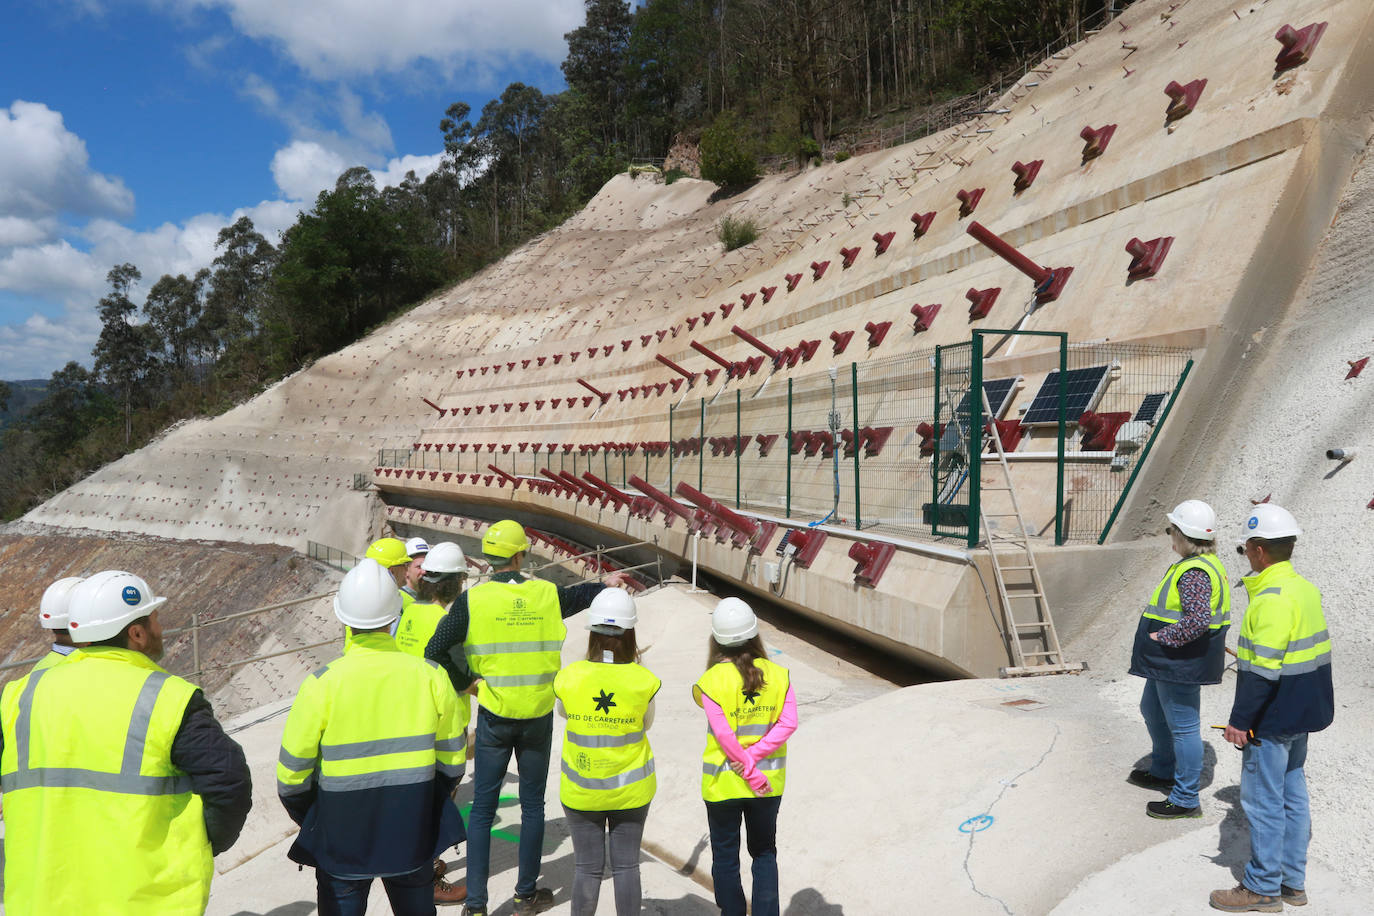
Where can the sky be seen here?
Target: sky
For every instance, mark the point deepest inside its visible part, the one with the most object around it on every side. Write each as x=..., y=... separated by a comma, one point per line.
x=134, y=130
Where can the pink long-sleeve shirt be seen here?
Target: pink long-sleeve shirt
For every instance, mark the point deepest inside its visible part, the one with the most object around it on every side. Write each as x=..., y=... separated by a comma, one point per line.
x=748, y=757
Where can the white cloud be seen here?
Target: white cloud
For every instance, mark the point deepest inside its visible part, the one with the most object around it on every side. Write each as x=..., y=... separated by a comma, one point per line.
x=395, y=171
x=331, y=38
x=45, y=169
x=55, y=269
x=304, y=168
x=39, y=346
x=19, y=230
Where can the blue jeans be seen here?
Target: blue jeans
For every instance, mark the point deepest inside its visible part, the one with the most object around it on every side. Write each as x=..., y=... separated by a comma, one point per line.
x=761, y=831
x=1273, y=794
x=409, y=895
x=497, y=738
x=1173, y=717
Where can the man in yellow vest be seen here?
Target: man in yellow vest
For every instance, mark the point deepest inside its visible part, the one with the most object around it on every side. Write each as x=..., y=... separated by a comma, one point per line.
x=119, y=784
x=373, y=748
x=52, y=615
x=508, y=634
x=417, y=549
x=1283, y=693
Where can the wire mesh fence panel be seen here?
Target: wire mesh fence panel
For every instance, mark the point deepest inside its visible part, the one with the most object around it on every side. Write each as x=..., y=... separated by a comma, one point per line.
x=686, y=460
x=956, y=441
x=763, y=461
x=896, y=395
x=1137, y=381
x=718, y=469
x=330, y=556
x=821, y=407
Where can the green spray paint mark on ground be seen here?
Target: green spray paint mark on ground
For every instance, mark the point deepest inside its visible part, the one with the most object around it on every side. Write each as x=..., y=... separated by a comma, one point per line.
x=496, y=832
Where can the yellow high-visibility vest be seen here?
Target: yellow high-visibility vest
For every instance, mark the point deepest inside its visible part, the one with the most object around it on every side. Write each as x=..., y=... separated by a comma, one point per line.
x=1166, y=605
x=358, y=718
x=97, y=819
x=54, y=657
x=416, y=626
x=750, y=714
x=1284, y=630
x=607, y=762
x=515, y=637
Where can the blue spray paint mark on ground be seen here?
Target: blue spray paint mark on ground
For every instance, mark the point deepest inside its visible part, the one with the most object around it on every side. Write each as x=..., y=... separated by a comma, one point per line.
x=977, y=823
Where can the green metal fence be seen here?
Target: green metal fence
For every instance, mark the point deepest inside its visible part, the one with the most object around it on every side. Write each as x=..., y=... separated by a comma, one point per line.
x=856, y=444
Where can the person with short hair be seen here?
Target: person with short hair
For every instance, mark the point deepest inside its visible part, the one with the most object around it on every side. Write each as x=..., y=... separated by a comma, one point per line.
x=119, y=784
x=503, y=639
x=416, y=549
x=1180, y=645
x=1284, y=693
x=52, y=615
x=373, y=747
x=607, y=776
x=751, y=711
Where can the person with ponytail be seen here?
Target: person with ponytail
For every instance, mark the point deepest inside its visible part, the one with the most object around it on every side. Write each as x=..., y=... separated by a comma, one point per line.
x=751, y=711
x=607, y=776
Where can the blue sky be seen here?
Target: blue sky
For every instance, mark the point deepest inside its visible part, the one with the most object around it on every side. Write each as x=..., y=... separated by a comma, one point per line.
x=133, y=130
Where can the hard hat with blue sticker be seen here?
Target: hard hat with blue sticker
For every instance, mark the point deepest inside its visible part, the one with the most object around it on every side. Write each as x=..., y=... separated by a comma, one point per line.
x=131, y=595
x=1253, y=522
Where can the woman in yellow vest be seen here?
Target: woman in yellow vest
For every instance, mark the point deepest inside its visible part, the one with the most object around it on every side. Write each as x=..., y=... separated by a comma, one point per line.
x=608, y=766
x=751, y=711
x=445, y=570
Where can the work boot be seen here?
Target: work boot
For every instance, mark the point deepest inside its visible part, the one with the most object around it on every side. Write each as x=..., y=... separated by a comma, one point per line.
x=538, y=902
x=1147, y=780
x=480, y=910
x=445, y=893
x=1240, y=899
x=1168, y=811
x=440, y=868
x=1293, y=896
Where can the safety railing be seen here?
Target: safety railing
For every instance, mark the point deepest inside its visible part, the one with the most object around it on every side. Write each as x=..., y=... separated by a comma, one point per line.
x=330, y=556
x=858, y=446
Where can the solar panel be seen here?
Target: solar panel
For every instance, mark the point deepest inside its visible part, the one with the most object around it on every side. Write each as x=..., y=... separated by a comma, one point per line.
x=1149, y=407
x=999, y=392
x=1084, y=387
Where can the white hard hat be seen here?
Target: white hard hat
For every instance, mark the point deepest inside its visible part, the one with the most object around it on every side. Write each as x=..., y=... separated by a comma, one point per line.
x=733, y=623
x=416, y=546
x=1196, y=519
x=52, y=609
x=444, y=558
x=368, y=597
x=102, y=605
x=1269, y=521
x=612, y=610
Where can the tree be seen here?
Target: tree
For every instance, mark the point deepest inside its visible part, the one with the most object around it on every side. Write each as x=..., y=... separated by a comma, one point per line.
x=238, y=303
x=173, y=308
x=726, y=154
x=125, y=353
x=72, y=405
x=596, y=62
x=4, y=396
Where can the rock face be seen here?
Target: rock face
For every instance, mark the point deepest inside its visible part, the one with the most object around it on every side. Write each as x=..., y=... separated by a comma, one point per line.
x=684, y=155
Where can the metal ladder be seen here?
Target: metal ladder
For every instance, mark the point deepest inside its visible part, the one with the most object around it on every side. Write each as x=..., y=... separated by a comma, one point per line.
x=1025, y=609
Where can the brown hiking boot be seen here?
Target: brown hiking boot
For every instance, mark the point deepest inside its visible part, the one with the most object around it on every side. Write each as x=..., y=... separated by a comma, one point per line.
x=1293, y=896
x=445, y=893
x=1240, y=899
x=440, y=868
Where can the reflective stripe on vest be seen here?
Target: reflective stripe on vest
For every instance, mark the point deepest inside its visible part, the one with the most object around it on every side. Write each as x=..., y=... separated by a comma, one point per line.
x=1166, y=604
x=515, y=636
x=751, y=716
x=1290, y=605
x=607, y=763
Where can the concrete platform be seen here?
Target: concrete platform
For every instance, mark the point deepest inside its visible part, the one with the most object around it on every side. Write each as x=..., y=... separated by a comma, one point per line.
x=968, y=797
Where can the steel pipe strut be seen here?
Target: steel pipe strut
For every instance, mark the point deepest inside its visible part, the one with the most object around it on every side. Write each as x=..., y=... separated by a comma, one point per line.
x=689, y=376
x=1007, y=253
x=671, y=508
x=707, y=352
x=744, y=335
x=594, y=390
x=738, y=523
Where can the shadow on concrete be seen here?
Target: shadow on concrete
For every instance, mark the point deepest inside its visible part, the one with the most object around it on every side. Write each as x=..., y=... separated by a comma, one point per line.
x=1233, y=841
x=299, y=908
x=1209, y=765
x=811, y=902
x=683, y=906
